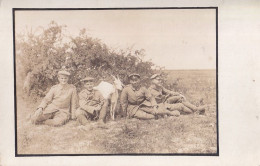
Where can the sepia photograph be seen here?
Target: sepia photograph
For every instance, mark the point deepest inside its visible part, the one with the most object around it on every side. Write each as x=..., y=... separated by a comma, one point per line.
x=116, y=81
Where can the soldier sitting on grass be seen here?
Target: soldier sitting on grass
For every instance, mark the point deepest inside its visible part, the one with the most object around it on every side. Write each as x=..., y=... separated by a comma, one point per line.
x=92, y=104
x=137, y=101
x=59, y=105
x=170, y=100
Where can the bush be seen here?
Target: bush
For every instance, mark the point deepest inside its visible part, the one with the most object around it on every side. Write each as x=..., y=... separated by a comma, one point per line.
x=44, y=53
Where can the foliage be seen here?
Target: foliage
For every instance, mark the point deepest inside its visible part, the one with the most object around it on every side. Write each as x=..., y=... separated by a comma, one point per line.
x=44, y=53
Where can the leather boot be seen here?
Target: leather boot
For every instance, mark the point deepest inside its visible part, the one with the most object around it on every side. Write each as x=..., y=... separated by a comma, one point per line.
x=201, y=110
x=187, y=110
x=190, y=106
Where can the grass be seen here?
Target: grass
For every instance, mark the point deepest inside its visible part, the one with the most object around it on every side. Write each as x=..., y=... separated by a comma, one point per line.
x=184, y=134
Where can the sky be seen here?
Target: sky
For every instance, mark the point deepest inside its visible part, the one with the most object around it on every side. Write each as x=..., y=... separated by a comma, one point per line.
x=171, y=38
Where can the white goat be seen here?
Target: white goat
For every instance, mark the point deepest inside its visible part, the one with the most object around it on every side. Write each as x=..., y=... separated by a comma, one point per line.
x=110, y=92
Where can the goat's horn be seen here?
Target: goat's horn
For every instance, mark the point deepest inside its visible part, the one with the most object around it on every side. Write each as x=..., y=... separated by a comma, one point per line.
x=113, y=76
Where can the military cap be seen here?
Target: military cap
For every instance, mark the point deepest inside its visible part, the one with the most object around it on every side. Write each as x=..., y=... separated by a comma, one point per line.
x=134, y=75
x=88, y=79
x=155, y=76
x=63, y=72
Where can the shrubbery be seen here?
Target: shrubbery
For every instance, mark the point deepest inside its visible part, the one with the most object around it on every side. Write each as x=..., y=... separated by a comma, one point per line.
x=44, y=53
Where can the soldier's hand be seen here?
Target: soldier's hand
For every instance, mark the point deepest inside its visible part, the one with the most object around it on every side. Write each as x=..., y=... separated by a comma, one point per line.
x=167, y=106
x=124, y=113
x=155, y=109
x=184, y=98
x=36, y=114
x=38, y=111
x=98, y=108
x=73, y=117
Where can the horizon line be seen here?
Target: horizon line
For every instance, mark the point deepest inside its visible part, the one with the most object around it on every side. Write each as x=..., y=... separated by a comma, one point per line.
x=190, y=69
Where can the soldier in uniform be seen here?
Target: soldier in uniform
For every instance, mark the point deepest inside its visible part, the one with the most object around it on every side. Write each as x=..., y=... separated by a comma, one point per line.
x=170, y=100
x=59, y=105
x=92, y=105
x=137, y=101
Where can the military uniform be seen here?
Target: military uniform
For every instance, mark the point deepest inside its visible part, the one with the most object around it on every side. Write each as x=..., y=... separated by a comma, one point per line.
x=88, y=101
x=59, y=105
x=163, y=99
x=171, y=100
x=137, y=103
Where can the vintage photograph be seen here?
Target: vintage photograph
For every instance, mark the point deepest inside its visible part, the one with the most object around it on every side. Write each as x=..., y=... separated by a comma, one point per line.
x=116, y=81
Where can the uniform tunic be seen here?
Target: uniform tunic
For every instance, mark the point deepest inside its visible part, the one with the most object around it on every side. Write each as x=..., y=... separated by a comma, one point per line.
x=161, y=94
x=89, y=100
x=167, y=99
x=132, y=99
x=60, y=98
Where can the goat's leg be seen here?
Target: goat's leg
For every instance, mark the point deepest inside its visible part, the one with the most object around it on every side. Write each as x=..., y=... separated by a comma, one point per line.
x=113, y=105
x=111, y=111
x=114, y=109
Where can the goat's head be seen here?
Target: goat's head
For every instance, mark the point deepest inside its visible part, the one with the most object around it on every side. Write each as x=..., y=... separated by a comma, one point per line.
x=118, y=84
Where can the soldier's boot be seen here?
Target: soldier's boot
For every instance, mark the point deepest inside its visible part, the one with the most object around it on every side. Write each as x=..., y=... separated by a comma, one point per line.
x=201, y=110
x=194, y=108
x=82, y=119
x=186, y=110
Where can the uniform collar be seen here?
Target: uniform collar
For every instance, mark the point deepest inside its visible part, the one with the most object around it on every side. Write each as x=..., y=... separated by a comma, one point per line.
x=63, y=86
x=89, y=92
x=131, y=86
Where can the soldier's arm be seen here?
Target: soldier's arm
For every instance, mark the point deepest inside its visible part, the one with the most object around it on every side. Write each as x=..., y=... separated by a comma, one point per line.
x=101, y=98
x=83, y=103
x=124, y=100
x=149, y=97
x=74, y=103
x=47, y=99
x=169, y=92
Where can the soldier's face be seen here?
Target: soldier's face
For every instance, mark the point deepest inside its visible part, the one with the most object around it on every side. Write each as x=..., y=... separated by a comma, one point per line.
x=89, y=86
x=63, y=79
x=157, y=82
x=135, y=82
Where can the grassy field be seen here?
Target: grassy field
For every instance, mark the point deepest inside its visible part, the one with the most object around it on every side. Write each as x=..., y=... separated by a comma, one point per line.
x=184, y=134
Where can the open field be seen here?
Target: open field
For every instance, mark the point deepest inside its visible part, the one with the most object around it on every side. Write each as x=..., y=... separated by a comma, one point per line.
x=184, y=134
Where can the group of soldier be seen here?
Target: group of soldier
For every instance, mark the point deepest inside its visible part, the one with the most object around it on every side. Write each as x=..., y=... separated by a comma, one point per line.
x=62, y=102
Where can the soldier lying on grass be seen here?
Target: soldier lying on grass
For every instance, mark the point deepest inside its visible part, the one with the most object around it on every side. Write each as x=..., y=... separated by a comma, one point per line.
x=59, y=105
x=170, y=100
x=92, y=105
x=138, y=103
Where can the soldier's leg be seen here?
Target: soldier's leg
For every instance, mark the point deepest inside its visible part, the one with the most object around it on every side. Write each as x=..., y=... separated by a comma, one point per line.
x=175, y=113
x=148, y=110
x=190, y=106
x=103, y=112
x=81, y=116
x=174, y=99
x=59, y=119
x=179, y=107
x=41, y=118
x=162, y=110
x=194, y=108
x=187, y=104
x=140, y=114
